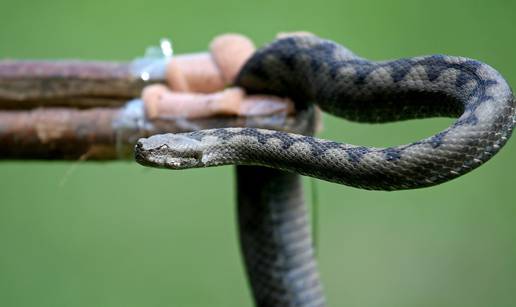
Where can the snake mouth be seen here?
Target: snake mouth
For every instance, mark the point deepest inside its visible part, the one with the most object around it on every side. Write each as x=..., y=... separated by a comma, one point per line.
x=179, y=154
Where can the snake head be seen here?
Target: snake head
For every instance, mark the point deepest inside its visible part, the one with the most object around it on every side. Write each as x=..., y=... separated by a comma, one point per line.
x=175, y=151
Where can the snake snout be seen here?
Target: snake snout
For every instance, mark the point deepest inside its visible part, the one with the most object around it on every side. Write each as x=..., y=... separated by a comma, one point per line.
x=141, y=155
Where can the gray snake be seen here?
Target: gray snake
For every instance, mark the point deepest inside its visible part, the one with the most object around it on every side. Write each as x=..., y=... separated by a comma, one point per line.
x=311, y=70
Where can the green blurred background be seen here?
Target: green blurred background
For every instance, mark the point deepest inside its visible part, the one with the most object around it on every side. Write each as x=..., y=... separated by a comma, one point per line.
x=116, y=234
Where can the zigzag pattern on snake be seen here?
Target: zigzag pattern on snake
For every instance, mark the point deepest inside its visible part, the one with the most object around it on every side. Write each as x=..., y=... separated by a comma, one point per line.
x=312, y=70
x=274, y=233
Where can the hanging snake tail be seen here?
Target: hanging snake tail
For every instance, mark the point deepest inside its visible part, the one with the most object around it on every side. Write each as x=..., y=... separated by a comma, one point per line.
x=275, y=238
x=311, y=70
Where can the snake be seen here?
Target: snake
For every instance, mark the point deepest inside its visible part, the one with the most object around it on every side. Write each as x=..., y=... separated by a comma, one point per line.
x=315, y=72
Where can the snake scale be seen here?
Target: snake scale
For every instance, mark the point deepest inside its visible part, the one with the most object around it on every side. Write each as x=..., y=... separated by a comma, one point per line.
x=276, y=242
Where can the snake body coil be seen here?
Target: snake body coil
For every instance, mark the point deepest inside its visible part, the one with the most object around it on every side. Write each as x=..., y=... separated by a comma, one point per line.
x=312, y=70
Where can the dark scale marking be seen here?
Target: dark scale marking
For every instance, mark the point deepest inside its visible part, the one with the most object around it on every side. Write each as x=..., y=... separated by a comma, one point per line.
x=262, y=138
x=286, y=44
x=224, y=134
x=400, y=69
x=488, y=83
x=462, y=79
x=437, y=140
x=471, y=65
x=315, y=64
x=483, y=96
x=392, y=154
x=479, y=94
x=472, y=119
x=325, y=50
x=286, y=140
x=472, y=94
x=318, y=149
x=363, y=71
x=289, y=61
x=356, y=153
x=434, y=71
x=335, y=69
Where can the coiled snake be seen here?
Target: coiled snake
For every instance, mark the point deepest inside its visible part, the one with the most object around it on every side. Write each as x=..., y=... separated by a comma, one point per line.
x=273, y=229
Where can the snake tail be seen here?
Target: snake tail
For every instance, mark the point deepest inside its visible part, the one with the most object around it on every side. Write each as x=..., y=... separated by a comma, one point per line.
x=275, y=238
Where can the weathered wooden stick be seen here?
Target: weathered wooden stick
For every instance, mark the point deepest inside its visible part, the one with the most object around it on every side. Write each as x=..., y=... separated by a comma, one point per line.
x=85, y=109
x=86, y=84
x=110, y=133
